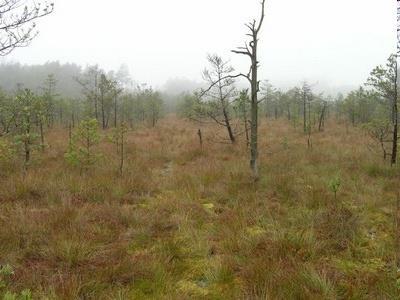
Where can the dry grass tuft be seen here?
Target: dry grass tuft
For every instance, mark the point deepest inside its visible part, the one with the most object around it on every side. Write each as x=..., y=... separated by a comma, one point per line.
x=189, y=223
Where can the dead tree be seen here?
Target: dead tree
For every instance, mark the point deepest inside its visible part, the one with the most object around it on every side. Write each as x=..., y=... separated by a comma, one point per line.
x=17, y=27
x=250, y=50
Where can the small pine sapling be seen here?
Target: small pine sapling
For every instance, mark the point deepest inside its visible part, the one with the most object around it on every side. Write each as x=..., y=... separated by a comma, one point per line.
x=334, y=185
x=118, y=138
x=81, y=150
x=26, y=136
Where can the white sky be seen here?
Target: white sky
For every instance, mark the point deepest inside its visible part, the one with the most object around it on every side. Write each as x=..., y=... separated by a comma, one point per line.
x=332, y=42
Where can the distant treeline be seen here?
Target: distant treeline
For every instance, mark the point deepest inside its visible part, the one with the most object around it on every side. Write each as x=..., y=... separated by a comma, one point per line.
x=16, y=75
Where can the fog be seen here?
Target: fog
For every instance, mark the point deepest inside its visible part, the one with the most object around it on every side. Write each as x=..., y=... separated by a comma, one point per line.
x=332, y=44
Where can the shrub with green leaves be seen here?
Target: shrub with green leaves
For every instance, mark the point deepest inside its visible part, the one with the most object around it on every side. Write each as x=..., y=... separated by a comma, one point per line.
x=81, y=150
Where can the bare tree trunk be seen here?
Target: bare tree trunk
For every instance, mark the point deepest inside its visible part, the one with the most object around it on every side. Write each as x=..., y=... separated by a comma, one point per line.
x=115, y=111
x=121, y=166
x=246, y=125
x=228, y=126
x=41, y=135
x=250, y=50
x=200, y=138
x=255, y=87
x=96, y=113
x=224, y=112
x=395, y=121
x=73, y=120
x=254, y=112
x=27, y=154
x=70, y=135
x=321, y=118
x=397, y=233
x=305, y=112
x=103, y=116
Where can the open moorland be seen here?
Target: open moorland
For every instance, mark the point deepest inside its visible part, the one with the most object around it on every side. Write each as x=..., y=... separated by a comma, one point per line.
x=188, y=222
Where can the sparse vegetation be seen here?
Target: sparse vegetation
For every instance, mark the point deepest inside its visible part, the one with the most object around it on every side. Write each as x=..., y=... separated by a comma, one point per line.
x=118, y=190
x=183, y=223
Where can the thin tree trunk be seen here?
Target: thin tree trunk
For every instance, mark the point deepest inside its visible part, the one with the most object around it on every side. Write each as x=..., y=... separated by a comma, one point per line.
x=96, y=113
x=115, y=111
x=121, y=166
x=200, y=138
x=103, y=116
x=395, y=122
x=41, y=135
x=254, y=111
x=397, y=233
x=224, y=112
x=228, y=126
x=253, y=79
x=304, y=113
x=321, y=119
x=246, y=125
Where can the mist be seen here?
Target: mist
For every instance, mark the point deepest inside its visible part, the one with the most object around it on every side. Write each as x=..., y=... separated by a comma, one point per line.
x=333, y=45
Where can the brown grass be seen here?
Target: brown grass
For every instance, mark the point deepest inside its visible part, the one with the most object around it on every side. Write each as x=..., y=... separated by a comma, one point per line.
x=189, y=223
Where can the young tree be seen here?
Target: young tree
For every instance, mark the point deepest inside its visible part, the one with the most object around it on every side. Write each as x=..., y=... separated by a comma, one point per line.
x=269, y=96
x=383, y=79
x=27, y=103
x=116, y=90
x=186, y=106
x=323, y=107
x=40, y=110
x=8, y=113
x=81, y=149
x=153, y=106
x=17, y=27
x=147, y=105
x=118, y=137
x=105, y=88
x=89, y=82
x=220, y=96
x=49, y=97
x=380, y=131
x=242, y=107
x=305, y=96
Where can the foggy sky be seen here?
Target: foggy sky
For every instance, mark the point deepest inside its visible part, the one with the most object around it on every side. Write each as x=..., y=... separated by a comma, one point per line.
x=333, y=43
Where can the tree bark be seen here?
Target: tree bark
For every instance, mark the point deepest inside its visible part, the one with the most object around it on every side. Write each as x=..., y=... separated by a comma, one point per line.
x=395, y=120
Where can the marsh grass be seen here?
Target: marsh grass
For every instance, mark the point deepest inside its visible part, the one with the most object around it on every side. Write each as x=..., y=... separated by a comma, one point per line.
x=189, y=223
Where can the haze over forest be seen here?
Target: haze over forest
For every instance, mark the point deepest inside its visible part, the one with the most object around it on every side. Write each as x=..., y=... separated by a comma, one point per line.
x=331, y=44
